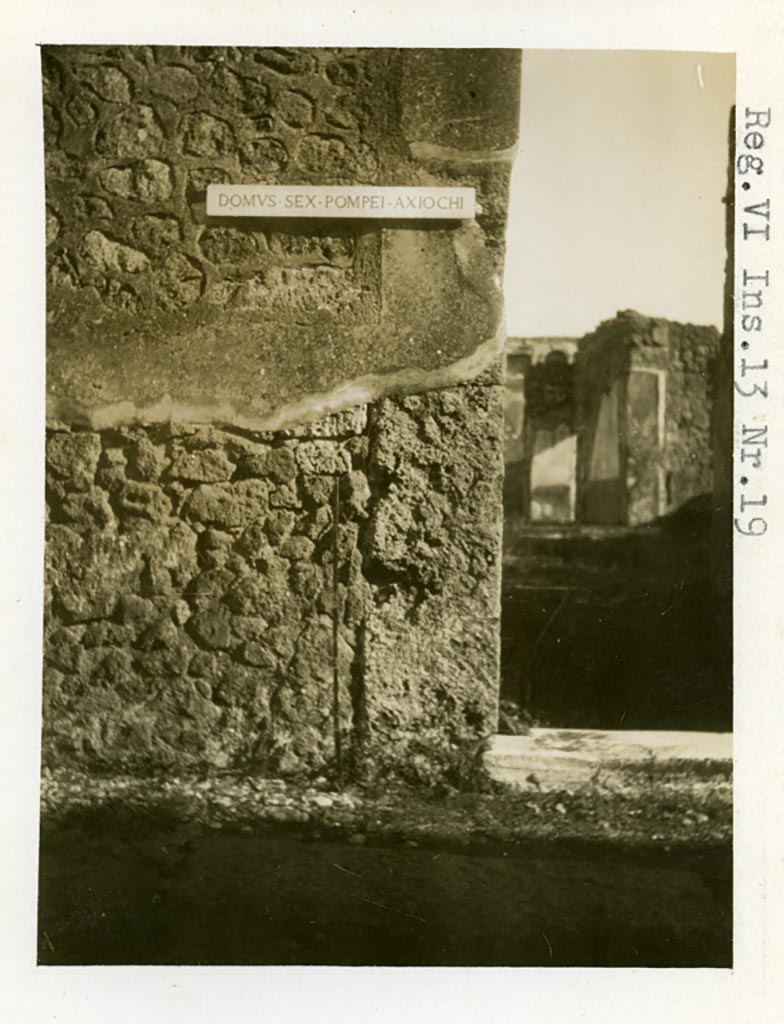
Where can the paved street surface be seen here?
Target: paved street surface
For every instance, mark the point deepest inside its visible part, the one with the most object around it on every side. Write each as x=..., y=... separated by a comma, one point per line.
x=275, y=895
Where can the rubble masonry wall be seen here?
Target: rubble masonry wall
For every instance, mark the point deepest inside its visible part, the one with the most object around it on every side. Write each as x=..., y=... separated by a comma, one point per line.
x=212, y=384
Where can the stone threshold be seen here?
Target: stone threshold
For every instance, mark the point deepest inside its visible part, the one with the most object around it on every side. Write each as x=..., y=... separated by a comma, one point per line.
x=561, y=758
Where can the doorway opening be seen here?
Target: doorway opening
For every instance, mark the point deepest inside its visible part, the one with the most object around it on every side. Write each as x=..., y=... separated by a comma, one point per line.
x=616, y=610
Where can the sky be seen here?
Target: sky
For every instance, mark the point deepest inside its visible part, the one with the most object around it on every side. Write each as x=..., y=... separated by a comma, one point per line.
x=616, y=192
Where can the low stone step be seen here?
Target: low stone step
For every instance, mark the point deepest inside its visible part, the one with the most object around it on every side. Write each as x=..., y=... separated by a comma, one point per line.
x=560, y=758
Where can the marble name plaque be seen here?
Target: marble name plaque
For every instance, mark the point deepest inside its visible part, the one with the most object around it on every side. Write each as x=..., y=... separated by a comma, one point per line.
x=327, y=201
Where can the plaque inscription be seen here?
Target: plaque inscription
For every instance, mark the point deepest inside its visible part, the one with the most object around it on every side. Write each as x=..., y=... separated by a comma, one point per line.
x=328, y=201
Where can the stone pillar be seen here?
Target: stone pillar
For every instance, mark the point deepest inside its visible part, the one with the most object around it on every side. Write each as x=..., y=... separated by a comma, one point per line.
x=517, y=360
x=644, y=391
x=431, y=637
x=211, y=383
x=550, y=438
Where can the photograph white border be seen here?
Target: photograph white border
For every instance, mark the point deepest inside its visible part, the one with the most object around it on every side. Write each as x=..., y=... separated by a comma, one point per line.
x=754, y=989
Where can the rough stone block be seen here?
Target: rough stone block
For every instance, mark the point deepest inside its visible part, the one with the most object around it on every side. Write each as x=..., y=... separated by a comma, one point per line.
x=250, y=627
x=177, y=84
x=318, y=489
x=285, y=496
x=145, y=500
x=104, y=254
x=148, y=181
x=133, y=133
x=228, y=506
x=212, y=628
x=205, y=135
x=260, y=656
x=74, y=457
x=281, y=465
x=137, y=613
x=145, y=460
x=111, y=468
x=180, y=612
x=87, y=511
x=86, y=598
x=63, y=650
x=109, y=82
x=209, y=586
x=355, y=494
x=322, y=457
x=202, y=665
x=207, y=466
x=305, y=580
x=258, y=595
x=280, y=522
x=297, y=548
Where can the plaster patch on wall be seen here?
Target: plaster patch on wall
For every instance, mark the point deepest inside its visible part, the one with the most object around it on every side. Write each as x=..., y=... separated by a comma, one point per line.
x=302, y=412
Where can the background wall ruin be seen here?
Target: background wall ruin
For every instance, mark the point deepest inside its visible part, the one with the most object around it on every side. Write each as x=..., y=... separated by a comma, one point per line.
x=539, y=429
x=211, y=385
x=622, y=618
x=644, y=392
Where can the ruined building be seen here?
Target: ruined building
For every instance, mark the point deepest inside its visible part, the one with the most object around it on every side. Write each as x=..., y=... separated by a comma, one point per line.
x=612, y=590
x=275, y=448
x=644, y=393
x=613, y=428
x=540, y=429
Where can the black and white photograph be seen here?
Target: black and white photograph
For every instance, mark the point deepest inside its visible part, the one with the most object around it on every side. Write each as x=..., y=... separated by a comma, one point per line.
x=388, y=584
x=402, y=463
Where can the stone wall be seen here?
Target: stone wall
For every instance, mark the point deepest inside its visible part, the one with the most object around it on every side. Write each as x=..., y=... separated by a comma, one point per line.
x=549, y=438
x=538, y=400
x=190, y=595
x=433, y=558
x=644, y=392
x=157, y=311
x=232, y=402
